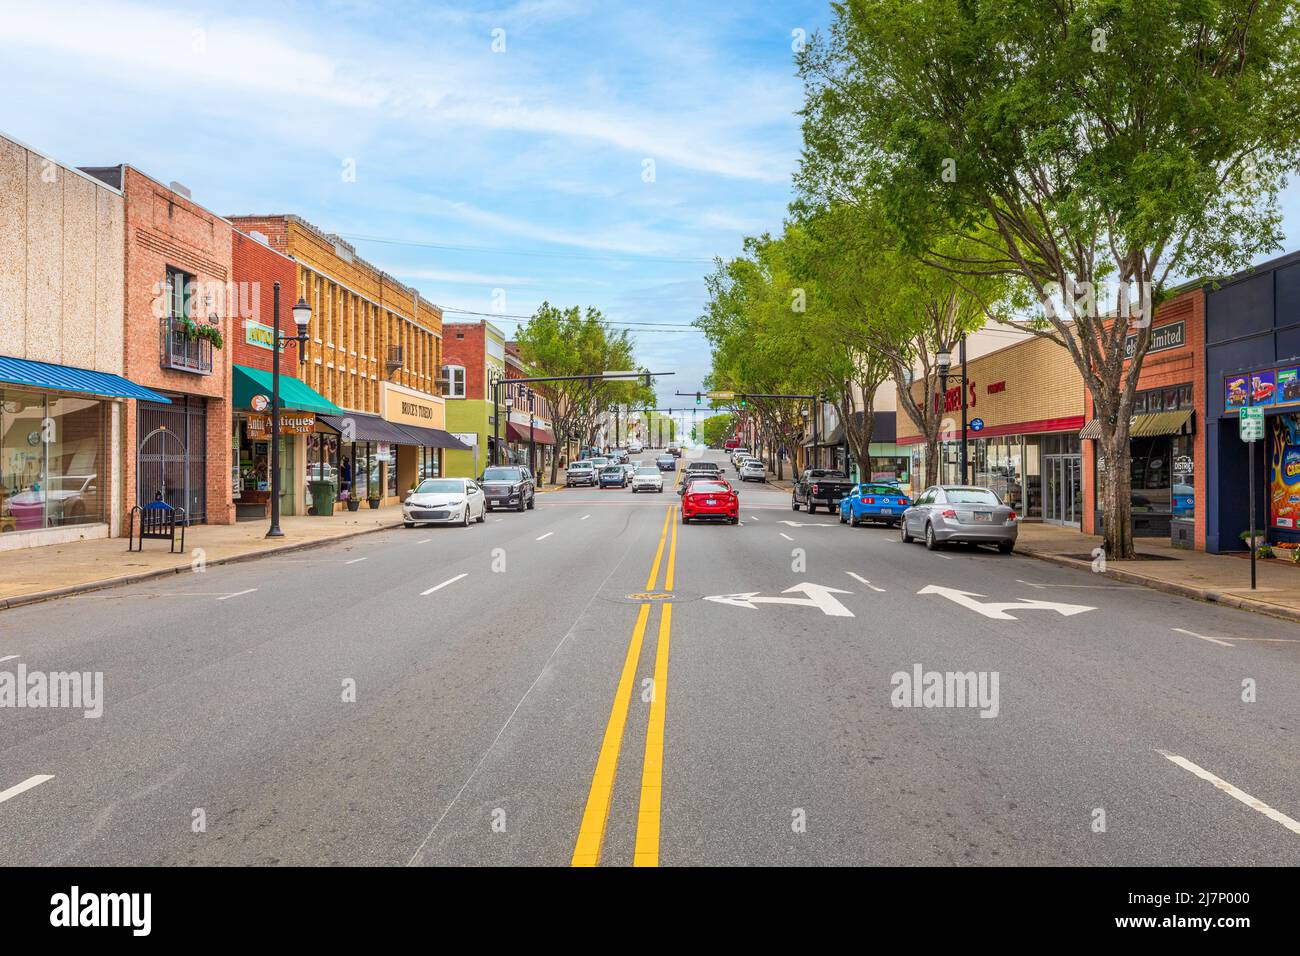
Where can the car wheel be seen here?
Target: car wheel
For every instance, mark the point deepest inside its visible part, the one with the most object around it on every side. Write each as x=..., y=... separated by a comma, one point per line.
x=853, y=520
x=736, y=520
x=408, y=524
x=931, y=543
x=794, y=504
x=532, y=502
x=487, y=507
x=465, y=522
x=843, y=520
x=685, y=520
x=812, y=508
x=902, y=533
x=482, y=515
x=521, y=506
x=1006, y=547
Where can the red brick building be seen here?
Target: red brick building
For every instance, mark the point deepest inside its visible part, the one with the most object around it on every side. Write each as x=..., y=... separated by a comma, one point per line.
x=1168, y=434
x=178, y=266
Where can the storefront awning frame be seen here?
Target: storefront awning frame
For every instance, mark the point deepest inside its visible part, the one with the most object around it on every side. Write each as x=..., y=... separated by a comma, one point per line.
x=246, y=381
x=46, y=376
x=1148, y=425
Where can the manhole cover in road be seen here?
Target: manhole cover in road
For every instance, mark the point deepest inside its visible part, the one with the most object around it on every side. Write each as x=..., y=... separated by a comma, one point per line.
x=654, y=597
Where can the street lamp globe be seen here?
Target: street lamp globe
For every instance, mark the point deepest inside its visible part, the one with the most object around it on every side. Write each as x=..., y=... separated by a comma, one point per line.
x=944, y=360
x=302, y=316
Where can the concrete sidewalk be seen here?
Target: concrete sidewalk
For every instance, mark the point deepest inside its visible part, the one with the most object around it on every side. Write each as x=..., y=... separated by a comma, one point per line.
x=1223, y=579
x=38, y=574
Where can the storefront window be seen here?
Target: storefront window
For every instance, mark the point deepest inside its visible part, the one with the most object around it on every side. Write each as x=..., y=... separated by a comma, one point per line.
x=51, y=461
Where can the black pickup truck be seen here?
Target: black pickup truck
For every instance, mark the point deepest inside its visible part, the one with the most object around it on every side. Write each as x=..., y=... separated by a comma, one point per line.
x=820, y=486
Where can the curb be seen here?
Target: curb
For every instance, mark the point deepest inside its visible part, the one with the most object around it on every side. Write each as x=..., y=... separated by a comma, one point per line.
x=1170, y=587
x=37, y=597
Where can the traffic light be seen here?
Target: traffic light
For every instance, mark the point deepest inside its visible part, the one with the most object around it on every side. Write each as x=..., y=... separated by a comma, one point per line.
x=744, y=402
x=648, y=382
x=697, y=398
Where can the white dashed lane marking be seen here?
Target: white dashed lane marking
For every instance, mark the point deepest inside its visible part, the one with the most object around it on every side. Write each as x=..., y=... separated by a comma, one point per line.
x=26, y=785
x=1277, y=816
x=1212, y=640
x=439, y=587
x=227, y=597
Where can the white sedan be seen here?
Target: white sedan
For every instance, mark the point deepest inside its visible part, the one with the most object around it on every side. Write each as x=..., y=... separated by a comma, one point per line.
x=444, y=501
x=647, y=478
x=751, y=469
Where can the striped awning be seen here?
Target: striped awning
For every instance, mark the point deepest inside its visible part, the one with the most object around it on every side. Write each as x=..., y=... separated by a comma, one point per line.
x=1147, y=425
x=68, y=378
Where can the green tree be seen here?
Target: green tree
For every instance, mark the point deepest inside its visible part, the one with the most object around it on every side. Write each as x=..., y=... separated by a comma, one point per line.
x=718, y=428
x=572, y=341
x=1073, y=144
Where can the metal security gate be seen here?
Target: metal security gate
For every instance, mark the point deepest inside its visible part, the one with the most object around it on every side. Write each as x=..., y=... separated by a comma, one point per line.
x=172, y=455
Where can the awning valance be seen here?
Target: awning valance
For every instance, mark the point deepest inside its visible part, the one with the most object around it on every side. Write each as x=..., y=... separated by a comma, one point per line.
x=519, y=433
x=245, y=382
x=1147, y=425
x=435, y=438
x=365, y=427
x=67, y=378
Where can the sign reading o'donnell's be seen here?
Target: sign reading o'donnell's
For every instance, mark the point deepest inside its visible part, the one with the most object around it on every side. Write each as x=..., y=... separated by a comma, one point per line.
x=406, y=406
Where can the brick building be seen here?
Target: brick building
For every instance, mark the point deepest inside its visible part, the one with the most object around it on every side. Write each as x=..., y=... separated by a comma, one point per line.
x=177, y=272
x=64, y=399
x=375, y=351
x=1026, y=406
x=474, y=358
x=1167, y=443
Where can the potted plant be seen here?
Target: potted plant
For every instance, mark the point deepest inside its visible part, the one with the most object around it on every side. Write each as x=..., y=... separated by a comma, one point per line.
x=1264, y=551
x=352, y=501
x=1252, y=542
x=373, y=499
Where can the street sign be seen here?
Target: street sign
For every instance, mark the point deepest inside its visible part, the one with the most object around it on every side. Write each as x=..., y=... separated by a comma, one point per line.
x=818, y=596
x=998, y=609
x=977, y=424
x=1251, y=424
x=722, y=395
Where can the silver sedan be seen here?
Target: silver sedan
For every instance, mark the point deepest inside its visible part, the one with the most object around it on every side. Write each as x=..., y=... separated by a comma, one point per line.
x=960, y=513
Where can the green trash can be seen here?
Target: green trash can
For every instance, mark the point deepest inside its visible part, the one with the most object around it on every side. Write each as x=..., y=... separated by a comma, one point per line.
x=323, y=494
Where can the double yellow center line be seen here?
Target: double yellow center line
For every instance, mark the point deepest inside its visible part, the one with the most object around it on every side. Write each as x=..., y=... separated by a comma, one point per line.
x=591, y=834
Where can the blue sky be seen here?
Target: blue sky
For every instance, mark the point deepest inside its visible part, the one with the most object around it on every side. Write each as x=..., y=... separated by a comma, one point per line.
x=532, y=160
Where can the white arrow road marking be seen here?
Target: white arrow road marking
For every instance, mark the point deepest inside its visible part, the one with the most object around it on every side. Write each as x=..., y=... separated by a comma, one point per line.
x=545, y=536
x=9, y=658
x=818, y=596
x=227, y=597
x=998, y=610
x=1212, y=640
x=439, y=587
x=808, y=524
x=1277, y=816
x=354, y=561
x=858, y=577
x=26, y=785
x=584, y=517
x=784, y=535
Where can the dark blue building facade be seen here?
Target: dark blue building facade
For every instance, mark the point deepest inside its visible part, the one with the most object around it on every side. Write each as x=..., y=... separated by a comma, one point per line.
x=1252, y=343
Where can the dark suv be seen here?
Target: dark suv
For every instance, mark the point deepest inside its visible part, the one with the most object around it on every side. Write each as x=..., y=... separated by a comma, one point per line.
x=508, y=486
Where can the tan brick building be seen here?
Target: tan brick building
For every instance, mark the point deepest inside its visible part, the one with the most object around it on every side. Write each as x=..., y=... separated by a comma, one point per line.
x=375, y=351
x=64, y=400
x=1025, y=408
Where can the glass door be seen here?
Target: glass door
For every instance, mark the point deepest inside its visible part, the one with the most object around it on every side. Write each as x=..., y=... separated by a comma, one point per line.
x=1062, y=489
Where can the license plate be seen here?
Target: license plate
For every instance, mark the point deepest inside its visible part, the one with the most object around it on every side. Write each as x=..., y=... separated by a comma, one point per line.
x=710, y=501
x=983, y=516
x=886, y=511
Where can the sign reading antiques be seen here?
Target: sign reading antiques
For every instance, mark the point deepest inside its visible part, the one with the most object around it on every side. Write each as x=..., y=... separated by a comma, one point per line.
x=262, y=336
x=296, y=423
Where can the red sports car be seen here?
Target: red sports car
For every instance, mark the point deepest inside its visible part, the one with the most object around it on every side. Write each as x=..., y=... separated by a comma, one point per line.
x=710, y=499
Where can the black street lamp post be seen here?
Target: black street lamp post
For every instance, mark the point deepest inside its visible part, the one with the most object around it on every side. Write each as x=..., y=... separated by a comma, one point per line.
x=301, y=316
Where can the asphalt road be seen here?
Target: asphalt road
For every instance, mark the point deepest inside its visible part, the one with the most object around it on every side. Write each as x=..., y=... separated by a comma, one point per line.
x=557, y=686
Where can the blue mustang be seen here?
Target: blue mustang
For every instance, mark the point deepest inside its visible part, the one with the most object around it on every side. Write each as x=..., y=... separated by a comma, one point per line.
x=875, y=502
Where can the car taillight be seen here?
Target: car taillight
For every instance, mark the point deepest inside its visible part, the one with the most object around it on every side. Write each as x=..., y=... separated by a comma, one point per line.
x=1012, y=516
x=816, y=489
x=870, y=501
x=949, y=513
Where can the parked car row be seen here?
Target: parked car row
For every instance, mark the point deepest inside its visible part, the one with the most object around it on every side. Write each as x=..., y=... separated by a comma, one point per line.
x=941, y=514
x=464, y=500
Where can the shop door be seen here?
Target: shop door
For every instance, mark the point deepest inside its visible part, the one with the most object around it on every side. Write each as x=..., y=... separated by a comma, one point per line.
x=1062, y=489
x=171, y=458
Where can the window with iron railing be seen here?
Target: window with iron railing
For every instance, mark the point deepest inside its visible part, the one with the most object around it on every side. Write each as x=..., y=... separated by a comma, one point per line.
x=181, y=343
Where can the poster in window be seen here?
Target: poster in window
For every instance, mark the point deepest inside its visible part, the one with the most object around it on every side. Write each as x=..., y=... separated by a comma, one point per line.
x=1284, y=473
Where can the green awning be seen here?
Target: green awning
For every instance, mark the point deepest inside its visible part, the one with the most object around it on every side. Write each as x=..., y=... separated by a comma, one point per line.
x=294, y=392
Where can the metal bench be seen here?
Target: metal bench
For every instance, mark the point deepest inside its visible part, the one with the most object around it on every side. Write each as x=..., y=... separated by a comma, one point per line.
x=157, y=520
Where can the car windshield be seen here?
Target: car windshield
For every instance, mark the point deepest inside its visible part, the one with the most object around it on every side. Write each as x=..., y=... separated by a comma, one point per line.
x=440, y=486
x=612, y=470
x=580, y=466
x=502, y=474
x=971, y=496
x=647, y=471
x=709, y=488
x=818, y=473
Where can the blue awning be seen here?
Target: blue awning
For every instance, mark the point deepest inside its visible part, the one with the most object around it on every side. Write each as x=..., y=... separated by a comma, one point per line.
x=65, y=378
